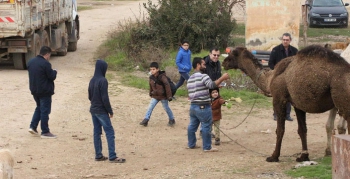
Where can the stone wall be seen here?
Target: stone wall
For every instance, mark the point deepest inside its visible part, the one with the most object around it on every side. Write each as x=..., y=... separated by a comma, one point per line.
x=267, y=20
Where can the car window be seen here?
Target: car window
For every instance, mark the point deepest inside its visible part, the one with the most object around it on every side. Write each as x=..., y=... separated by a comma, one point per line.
x=327, y=3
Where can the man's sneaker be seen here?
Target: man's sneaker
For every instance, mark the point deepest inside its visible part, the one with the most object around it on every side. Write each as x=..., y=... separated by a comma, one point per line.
x=144, y=122
x=33, y=131
x=211, y=150
x=48, y=135
x=171, y=123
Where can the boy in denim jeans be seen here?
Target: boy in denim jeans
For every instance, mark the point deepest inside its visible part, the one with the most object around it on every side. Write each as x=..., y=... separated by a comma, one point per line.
x=101, y=112
x=159, y=91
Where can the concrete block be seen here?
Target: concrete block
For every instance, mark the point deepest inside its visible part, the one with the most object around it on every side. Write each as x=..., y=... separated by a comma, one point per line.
x=340, y=156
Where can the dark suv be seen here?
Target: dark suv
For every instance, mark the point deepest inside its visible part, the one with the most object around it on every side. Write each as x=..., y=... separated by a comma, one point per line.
x=327, y=13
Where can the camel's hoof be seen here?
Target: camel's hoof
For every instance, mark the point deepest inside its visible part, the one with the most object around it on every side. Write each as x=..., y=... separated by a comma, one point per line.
x=328, y=152
x=272, y=159
x=303, y=157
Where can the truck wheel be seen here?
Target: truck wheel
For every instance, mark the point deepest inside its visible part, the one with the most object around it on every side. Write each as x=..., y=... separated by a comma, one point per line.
x=35, y=50
x=72, y=46
x=64, y=48
x=18, y=61
x=44, y=37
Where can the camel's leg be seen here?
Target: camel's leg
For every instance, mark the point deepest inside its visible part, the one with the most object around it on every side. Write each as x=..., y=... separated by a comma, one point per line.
x=329, y=129
x=280, y=111
x=341, y=125
x=302, y=131
x=347, y=119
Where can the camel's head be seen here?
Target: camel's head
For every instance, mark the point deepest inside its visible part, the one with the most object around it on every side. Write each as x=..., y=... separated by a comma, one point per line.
x=231, y=61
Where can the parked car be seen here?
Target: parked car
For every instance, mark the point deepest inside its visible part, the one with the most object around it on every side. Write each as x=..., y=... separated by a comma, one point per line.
x=327, y=13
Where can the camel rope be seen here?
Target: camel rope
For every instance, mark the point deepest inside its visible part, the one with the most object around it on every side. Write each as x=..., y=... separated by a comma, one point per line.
x=258, y=76
x=235, y=141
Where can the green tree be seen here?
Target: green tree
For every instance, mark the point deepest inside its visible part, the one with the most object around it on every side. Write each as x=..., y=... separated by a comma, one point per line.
x=204, y=23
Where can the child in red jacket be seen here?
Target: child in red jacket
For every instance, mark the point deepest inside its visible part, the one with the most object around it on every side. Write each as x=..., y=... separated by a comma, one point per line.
x=216, y=102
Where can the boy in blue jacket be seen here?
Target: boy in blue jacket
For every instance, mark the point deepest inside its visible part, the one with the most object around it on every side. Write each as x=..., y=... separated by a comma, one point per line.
x=183, y=62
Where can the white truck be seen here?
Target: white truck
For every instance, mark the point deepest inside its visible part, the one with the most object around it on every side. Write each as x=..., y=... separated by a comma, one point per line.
x=27, y=25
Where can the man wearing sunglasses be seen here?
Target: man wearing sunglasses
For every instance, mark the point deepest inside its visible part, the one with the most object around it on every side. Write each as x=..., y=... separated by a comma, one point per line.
x=278, y=53
x=213, y=66
x=213, y=69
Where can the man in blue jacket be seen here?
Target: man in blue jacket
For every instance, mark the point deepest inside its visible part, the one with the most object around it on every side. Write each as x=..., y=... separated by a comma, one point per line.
x=41, y=85
x=101, y=112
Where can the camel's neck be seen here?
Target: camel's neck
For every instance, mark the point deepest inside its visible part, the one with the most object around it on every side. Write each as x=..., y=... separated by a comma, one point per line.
x=260, y=77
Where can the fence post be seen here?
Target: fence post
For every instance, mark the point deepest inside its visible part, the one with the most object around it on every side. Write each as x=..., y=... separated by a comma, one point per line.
x=304, y=20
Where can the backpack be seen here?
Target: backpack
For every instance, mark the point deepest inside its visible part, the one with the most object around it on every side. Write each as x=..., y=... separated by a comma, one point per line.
x=171, y=83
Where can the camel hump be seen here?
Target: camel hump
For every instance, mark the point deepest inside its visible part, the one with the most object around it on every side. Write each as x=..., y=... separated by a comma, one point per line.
x=282, y=65
x=317, y=52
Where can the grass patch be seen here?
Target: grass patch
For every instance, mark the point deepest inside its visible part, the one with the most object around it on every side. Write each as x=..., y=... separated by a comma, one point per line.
x=83, y=8
x=248, y=97
x=321, y=171
x=319, y=32
x=130, y=80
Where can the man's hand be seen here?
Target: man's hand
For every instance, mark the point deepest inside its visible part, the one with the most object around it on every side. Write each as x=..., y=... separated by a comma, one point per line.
x=110, y=115
x=225, y=76
x=170, y=99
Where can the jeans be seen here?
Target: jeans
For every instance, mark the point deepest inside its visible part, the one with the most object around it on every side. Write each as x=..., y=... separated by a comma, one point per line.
x=200, y=114
x=184, y=76
x=41, y=113
x=216, y=126
x=153, y=104
x=99, y=121
x=288, y=109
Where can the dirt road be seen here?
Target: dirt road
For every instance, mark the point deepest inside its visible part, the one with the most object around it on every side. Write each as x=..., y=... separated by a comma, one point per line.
x=156, y=151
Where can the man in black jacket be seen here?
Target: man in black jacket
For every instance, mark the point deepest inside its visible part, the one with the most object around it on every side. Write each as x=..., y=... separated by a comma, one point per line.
x=41, y=85
x=213, y=66
x=278, y=53
x=213, y=69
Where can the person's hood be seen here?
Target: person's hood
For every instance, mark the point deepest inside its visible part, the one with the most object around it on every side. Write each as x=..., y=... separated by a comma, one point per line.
x=100, y=68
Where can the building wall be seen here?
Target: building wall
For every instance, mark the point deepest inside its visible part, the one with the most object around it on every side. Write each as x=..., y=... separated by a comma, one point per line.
x=267, y=20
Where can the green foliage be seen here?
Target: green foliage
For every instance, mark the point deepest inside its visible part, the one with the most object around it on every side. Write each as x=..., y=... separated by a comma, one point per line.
x=204, y=23
x=321, y=171
x=239, y=30
x=237, y=36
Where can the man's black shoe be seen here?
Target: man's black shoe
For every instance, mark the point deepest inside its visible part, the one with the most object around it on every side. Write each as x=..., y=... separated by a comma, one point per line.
x=144, y=122
x=289, y=118
x=171, y=123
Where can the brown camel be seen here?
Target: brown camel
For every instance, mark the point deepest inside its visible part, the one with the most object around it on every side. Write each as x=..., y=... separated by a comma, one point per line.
x=315, y=80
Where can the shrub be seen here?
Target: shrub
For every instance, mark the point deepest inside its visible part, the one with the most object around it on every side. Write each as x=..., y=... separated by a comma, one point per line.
x=204, y=23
